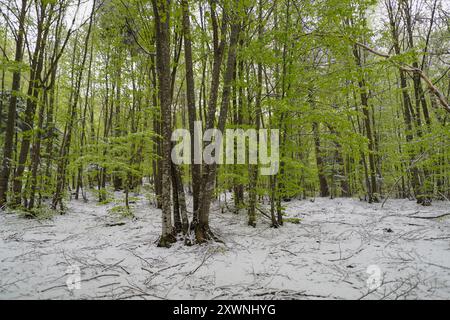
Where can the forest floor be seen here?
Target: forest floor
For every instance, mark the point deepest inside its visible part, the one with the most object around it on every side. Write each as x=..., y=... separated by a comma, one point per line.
x=328, y=255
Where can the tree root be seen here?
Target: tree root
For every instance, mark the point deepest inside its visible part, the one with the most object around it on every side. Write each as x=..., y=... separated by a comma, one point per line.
x=166, y=241
x=203, y=233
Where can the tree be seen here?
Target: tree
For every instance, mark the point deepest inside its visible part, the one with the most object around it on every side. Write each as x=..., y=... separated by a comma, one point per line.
x=161, y=9
x=15, y=92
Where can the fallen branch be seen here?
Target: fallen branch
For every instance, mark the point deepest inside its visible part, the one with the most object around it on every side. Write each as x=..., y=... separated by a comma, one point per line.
x=115, y=224
x=285, y=250
x=206, y=256
x=82, y=280
x=263, y=213
x=432, y=218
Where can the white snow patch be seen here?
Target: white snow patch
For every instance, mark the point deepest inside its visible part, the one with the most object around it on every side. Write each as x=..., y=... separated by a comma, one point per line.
x=326, y=256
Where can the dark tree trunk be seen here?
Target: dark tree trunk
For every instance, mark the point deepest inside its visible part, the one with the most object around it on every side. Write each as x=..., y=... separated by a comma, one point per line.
x=11, y=121
x=34, y=89
x=324, y=190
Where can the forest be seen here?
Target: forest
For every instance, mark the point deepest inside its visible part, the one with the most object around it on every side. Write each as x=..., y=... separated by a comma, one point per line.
x=357, y=92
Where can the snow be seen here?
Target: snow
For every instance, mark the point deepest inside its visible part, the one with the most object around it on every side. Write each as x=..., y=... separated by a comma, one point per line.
x=327, y=256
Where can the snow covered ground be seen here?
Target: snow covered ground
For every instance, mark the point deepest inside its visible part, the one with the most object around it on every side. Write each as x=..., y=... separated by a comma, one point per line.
x=342, y=249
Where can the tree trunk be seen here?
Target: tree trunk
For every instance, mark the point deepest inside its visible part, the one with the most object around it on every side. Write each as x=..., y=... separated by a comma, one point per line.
x=34, y=88
x=254, y=168
x=190, y=88
x=372, y=187
x=65, y=145
x=9, y=134
x=203, y=232
x=324, y=190
x=161, y=9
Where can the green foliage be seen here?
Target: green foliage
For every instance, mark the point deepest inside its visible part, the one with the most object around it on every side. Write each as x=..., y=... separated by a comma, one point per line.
x=292, y=220
x=38, y=213
x=122, y=211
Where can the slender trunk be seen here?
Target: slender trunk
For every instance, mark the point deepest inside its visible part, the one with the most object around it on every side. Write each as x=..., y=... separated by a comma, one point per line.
x=161, y=9
x=203, y=231
x=65, y=145
x=324, y=190
x=423, y=194
x=190, y=88
x=372, y=187
x=9, y=134
x=254, y=168
x=34, y=89
x=83, y=126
